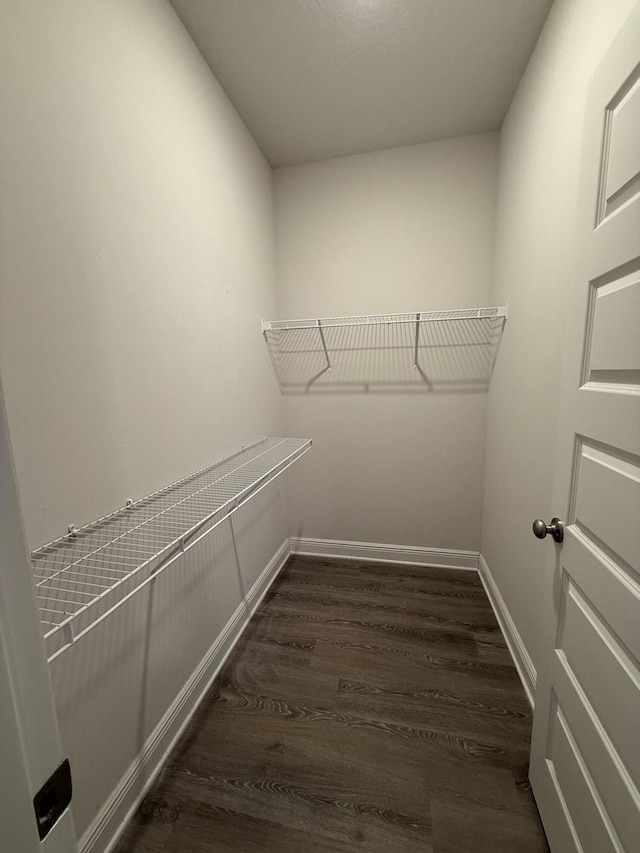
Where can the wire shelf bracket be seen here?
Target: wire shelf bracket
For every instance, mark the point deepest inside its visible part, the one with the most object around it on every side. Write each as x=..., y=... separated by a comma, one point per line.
x=422, y=351
x=82, y=578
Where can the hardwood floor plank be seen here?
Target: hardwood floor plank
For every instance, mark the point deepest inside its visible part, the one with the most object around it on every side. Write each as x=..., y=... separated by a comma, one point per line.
x=339, y=818
x=291, y=683
x=460, y=826
x=424, y=738
x=403, y=610
x=441, y=710
x=428, y=660
x=214, y=828
x=498, y=684
x=150, y=828
x=329, y=626
x=383, y=573
x=367, y=707
x=387, y=773
x=374, y=577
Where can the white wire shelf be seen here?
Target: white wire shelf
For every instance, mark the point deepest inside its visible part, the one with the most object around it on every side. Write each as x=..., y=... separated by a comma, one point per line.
x=422, y=351
x=83, y=577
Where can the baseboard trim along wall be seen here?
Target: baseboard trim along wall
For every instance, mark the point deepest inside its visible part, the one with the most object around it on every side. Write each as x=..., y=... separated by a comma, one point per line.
x=519, y=653
x=104, y=831
x=379, y=553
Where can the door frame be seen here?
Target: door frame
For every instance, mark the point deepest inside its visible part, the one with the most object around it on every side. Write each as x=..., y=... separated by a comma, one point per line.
x=31, y=749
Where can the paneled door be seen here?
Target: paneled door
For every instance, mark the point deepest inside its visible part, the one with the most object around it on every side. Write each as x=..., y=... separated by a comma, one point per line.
x=585, y=754
x=30, y=751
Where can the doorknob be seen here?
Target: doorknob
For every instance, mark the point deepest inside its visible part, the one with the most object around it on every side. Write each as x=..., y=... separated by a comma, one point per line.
x=556, y=529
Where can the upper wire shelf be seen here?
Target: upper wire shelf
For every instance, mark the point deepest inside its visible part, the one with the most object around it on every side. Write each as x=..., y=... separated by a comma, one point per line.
x=422, y=351
x=83, y=577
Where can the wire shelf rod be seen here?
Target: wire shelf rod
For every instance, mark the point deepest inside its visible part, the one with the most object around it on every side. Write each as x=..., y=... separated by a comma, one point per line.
x=159, y=492
x=388, y=319
x=428, y=351
x=158, y=515
x=73, y=574
x=170, y=559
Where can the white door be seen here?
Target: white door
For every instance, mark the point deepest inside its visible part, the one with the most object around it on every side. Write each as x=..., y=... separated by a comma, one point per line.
x=585, y=753
x=30, y=750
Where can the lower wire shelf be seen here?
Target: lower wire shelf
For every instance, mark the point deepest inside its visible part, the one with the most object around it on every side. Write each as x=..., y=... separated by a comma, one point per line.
x=82, y=578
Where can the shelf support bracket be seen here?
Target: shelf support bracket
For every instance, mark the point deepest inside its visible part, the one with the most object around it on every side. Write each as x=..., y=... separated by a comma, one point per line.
x=324, y=345
x=416, y=363
x=68, y=634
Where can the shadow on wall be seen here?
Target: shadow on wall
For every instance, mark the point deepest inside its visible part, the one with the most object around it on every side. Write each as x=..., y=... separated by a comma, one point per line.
x=385, y=356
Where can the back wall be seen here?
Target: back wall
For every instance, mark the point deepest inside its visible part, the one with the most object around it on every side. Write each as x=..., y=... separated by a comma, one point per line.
x=402, y=230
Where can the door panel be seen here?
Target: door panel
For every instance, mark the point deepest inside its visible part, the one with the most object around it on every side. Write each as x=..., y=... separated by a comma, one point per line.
x=575, y=786
x=613, y=794
x=593, y=790
x=603, y=668
x=620, y=175
x=596, y=692
x=602, y=475
x=613, y=345
x=585, y=755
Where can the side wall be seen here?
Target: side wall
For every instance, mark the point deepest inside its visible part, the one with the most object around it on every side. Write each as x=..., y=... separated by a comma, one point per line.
x=539, y=161
x=407, y=229
x=137, y=259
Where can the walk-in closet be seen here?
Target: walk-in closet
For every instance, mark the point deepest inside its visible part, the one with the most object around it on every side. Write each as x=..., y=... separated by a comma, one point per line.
x=319, y=426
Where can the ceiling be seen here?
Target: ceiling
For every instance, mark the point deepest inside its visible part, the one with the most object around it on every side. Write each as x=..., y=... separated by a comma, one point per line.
x=314, y=79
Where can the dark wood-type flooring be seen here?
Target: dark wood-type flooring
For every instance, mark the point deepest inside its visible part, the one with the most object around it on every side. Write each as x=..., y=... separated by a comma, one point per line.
x=367, y=707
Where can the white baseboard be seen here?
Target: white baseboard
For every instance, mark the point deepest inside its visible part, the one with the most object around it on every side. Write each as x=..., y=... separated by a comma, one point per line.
x=378, y=553
x=519, y=653
x=104, y=831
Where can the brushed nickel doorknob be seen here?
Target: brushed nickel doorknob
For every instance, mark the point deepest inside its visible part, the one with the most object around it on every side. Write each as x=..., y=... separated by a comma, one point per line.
x=556, y=529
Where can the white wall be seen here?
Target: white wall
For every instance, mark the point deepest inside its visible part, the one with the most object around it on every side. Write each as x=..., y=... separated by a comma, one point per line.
x=136, y=260
x=539, y=160
x=407, y=229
